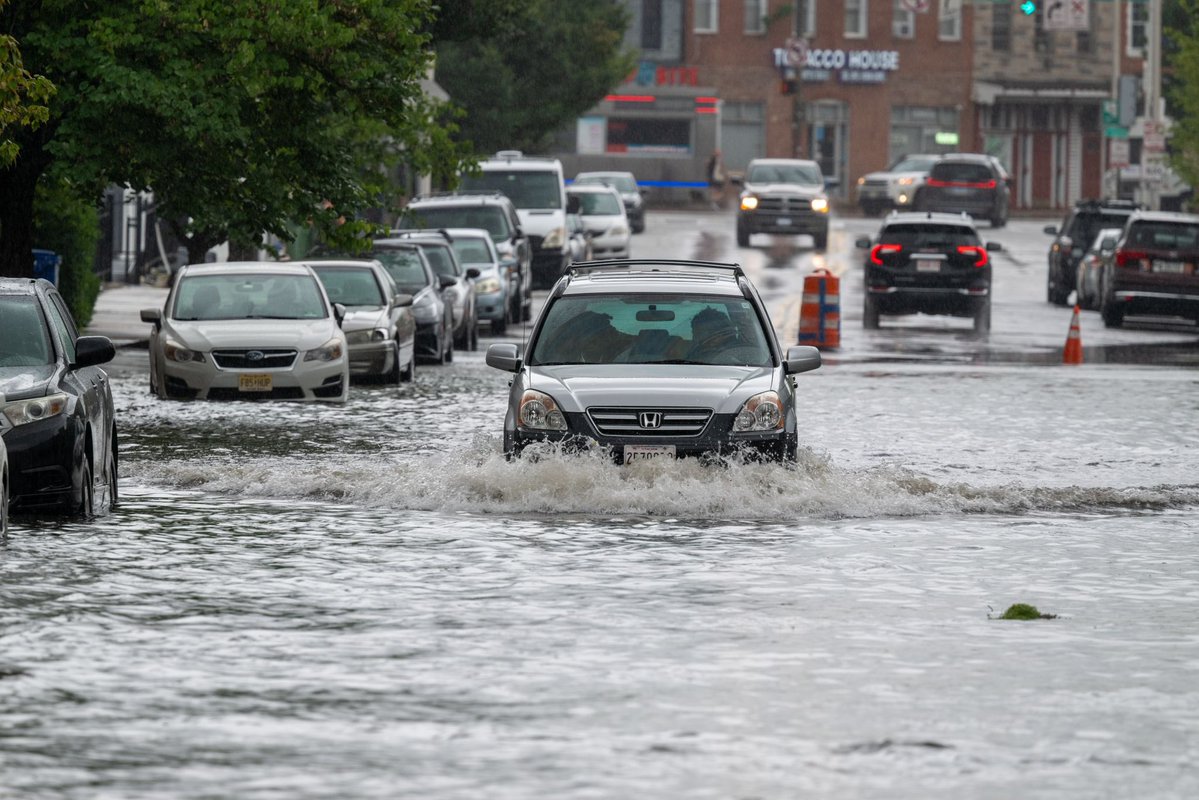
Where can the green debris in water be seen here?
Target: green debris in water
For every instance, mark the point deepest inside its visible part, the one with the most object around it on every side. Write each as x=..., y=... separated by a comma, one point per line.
x=1025, y=611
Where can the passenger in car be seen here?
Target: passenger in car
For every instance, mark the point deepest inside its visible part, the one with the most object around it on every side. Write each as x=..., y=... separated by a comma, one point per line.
x=593, y=339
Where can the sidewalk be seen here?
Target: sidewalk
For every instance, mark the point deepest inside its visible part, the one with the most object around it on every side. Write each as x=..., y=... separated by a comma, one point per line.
x=117, y=314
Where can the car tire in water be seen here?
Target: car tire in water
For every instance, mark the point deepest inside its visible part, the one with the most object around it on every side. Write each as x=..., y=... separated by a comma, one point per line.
x=110, y=467
x=742, y=236
x=982, y=318
x=870, y=313
x=409, y=374
x=820, y=240
x=85, y=507
x=447, y=355
x=394, y=375
x=1113, y=315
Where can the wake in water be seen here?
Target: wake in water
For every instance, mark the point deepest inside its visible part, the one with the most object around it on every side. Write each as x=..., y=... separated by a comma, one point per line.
x=479, y=479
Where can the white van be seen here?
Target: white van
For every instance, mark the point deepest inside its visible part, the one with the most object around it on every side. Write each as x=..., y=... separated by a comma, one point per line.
x=538, y=190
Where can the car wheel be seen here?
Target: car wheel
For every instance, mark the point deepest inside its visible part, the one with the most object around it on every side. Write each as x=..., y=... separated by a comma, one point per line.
x=870, y=313
x=820, y=240
x=1081, y=297
x=409, y=374
x=3, y=503
x=448, y=337
x=394, y=375
x=1058, y=294
x=110, y=467
x=473, y=343
x=982, y=318
x=742, y=236
x=86, y=507
x=1113, y=315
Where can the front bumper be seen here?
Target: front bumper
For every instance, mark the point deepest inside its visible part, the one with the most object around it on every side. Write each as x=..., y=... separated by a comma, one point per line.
x=372, y=358
x=952, y=301
x=491, y=307
x=326, y=381
x=42, y=459
x=798, y=221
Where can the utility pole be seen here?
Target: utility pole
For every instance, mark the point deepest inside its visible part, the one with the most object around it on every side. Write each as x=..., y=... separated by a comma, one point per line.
x=1153, y=137
x=798, y=31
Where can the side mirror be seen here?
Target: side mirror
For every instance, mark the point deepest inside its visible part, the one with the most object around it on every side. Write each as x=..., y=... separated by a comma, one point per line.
x=92, y=350
x=401, y=300
x=801, y=358
x=1051, y=230
x=446, y=281
x=505, y=356
x=339, y=313
x=152, y=315
x=862, y=243
x=473, y=273
x=993, y=246
x=573, y=204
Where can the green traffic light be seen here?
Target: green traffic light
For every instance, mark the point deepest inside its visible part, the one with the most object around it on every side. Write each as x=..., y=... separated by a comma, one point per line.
x=1028, y=7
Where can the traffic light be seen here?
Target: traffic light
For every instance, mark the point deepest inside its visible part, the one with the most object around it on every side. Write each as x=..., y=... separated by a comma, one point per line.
x=1028, y=7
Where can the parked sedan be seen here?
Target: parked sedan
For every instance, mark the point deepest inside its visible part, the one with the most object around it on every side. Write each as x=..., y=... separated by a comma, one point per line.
x=630, y=193
x=476, y=250
x=58, y=425
x=1089, y=276
x=248, y=331
x=604, y=217
x=457, y=283
x=407, y=265
x=379, y=326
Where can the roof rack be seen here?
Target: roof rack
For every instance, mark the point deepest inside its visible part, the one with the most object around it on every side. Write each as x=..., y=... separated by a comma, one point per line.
x=417, y=233
x=654, y=265
x=469, y=193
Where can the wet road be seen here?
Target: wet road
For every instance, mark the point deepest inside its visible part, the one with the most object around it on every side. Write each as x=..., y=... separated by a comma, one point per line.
x=368, y=601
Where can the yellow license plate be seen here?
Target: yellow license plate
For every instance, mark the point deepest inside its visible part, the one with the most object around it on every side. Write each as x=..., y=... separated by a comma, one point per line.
x=254, y=383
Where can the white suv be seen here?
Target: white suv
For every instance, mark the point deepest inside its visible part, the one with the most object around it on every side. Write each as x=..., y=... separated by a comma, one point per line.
x=538, y=190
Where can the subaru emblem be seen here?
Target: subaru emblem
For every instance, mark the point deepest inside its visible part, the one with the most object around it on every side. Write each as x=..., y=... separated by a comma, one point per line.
x=650, y=419
x=255, y=355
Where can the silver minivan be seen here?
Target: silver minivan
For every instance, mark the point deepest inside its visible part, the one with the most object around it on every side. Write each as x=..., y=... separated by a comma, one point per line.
x=654, y=359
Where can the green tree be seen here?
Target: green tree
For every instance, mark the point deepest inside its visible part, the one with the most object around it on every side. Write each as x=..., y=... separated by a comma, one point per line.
x=240, y=115
x=1183, y=87
x=520, y=83
x=22, y=97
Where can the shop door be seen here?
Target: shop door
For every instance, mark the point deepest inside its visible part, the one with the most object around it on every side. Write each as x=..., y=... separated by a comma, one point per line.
x=1042, y=169
x=828, y=134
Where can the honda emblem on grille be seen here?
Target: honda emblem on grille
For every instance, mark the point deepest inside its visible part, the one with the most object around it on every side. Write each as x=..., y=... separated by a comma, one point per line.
x=255, y=355
x=650, y=419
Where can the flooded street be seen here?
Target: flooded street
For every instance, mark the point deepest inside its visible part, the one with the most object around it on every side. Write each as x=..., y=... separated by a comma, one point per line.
x=368, y=601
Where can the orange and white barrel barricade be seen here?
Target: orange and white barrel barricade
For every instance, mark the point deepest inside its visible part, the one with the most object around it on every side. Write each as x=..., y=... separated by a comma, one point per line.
x=820, y=311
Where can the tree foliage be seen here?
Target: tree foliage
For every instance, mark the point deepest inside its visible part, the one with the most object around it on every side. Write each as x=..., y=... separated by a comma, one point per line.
x=522, y=83
x=240, y=115
x=23, y=97
x=1184, y=91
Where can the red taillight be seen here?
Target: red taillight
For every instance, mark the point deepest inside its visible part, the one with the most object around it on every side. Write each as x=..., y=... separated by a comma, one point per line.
x=979, y=253
x=879, y=250
x=1131, y=259
x=935, y=182
x=991, y=184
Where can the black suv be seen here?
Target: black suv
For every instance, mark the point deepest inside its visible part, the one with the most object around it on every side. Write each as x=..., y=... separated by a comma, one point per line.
x=971, y=183
x=494, y=213
x=928, y=263
x=1154, y=269
x=1078, y=230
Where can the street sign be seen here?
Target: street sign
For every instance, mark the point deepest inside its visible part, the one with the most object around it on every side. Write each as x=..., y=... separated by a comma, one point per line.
x=1118, y=153
x=1115, y=132
x=1067, y=15
x=916, y=6
x=797, y=51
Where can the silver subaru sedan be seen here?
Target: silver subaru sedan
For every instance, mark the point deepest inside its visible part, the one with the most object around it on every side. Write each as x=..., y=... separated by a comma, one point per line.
x=654, y=359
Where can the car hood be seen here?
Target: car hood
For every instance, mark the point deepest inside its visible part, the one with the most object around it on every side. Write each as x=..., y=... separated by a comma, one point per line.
x=360, y=318
x=798, y=190
x=577, y=387
x=257, y=333
x=22, y=383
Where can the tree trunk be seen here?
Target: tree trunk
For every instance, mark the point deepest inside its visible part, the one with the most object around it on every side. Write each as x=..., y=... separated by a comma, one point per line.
x=17, y=186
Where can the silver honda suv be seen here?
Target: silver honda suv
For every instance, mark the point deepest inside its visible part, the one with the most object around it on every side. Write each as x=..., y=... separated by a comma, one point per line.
x=654, y=359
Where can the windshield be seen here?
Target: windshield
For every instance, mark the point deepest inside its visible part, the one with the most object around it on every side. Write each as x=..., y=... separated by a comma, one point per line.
x=806, y=174
x=350, y=286
x=623, y=183
x=917, y=236
x=649, y=329
x=595, y=203
x=525, y=188
x=472, y=251
x=24, y=337
x=914, y=164
x=248, y=296
x=489, y=219
x=1157, y=235
x=441, y=259
x=405, y=267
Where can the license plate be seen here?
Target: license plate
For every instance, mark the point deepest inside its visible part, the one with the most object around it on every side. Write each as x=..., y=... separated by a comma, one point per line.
x=784, y=222
x=647, y=452
x=1170, y=266
x=251, y=382
x=959, y=191
x=927, y=265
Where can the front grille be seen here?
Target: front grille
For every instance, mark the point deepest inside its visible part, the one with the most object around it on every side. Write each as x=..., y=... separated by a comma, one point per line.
x=791, y=206
x=875, y=183
x=278, y=393
x=271, y=359
x=672, y=421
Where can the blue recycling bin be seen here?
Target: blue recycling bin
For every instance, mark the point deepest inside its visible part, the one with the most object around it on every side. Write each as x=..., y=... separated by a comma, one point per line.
x=46, y=264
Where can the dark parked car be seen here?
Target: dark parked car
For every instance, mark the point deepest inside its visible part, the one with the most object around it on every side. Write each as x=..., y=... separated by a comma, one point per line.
x=407, y=265
x=459, y=294
x=1154, y=269
x=57, y=422
x=1077, y=231
x=974, y=183
x=928, y=263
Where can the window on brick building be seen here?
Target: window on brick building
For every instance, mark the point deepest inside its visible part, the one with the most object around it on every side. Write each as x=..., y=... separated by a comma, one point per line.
x=1138, y=29
x=1001, y=27
x=903, y=20
x=755, y=16
x=949, y=20
x=651, y=24
x=855, y=19
x=1042, y=42
x=707, y=16
x=807, y=17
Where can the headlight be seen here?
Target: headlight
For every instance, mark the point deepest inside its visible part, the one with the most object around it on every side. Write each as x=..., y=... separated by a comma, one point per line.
x=488, y=286
x=425, y=309
x=820, y=204
x=177, y=352
x=906, y=181
x=22, y=412
x=329, y=351
x=554, y=239
x=618, y=230
x=762, y=412
x=539, y=411
x=366, y=336
x=749, y=202
x=861, y=181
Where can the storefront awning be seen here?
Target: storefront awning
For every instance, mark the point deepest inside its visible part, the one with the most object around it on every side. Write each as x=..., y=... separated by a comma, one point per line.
x=988, y=94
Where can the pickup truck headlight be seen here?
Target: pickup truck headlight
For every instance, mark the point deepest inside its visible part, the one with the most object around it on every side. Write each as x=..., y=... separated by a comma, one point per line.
x=22, y=412
x=329, y=351
x=820, y=205
x=762, y=412
x=749, y=202
x=539, y=412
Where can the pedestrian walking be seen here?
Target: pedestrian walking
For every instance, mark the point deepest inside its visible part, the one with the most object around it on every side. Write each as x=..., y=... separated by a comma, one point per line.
x=716, y=180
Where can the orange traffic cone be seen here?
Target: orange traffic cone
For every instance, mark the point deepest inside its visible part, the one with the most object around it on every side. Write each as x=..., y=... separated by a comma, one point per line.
x=1072, y=353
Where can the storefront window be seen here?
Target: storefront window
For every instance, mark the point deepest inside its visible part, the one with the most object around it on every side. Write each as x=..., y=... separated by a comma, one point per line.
x=923, y=129
x=642, y=135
